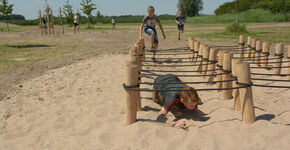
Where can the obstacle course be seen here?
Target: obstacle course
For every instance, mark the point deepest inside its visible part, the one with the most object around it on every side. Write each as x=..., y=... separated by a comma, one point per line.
x=234, y=70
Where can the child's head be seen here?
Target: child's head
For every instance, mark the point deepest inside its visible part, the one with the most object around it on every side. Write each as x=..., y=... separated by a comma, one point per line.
x=189, y=98
x=179, y=12
x=78, y=14
x=151, y=11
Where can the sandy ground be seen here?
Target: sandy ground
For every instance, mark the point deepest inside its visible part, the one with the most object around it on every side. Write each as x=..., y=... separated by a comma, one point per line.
x=82, y=106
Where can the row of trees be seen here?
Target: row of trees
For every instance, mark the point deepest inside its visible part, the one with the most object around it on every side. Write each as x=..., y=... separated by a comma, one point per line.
x=275, y=6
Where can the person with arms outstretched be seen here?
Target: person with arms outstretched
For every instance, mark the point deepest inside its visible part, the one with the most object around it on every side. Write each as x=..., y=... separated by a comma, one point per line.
x=148, y=24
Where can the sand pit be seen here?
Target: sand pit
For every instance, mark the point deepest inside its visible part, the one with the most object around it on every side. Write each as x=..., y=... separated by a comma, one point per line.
x=82, y=106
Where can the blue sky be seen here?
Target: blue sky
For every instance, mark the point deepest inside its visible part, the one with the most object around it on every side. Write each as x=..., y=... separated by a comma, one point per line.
x=29, y=8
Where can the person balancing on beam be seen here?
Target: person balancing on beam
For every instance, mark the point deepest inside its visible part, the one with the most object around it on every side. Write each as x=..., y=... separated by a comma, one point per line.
x=148, y=24
x=76, y=22
x=180, y=20
x=178, y=102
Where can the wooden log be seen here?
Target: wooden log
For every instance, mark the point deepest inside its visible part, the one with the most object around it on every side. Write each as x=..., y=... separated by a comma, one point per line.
x=253, y=49
x=196, y=50
x=52, y=22
x=246, y=95
x=279, y=58
x=205, y=59
x=236, y=93
x=219, y=69
x=265, y=53
x=212, y=64
x=199, y=58
x=60, y=19
x=227, y=68
x=48, y=22
x=248, y=55
x=40, y=23
x=289, y=62
x=258, y=52
x=242, y=46
x=131, y=81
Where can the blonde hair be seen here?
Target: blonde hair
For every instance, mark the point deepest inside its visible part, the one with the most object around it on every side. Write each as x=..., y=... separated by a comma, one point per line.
x=150, y=8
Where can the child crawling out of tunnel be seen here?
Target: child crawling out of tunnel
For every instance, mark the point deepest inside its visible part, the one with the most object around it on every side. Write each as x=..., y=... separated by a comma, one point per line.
x=184, y=98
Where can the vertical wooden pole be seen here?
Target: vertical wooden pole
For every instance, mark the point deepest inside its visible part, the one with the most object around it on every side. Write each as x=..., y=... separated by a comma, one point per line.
x=52, y=22
x=279, y=58
x=237, y=101
x=191, y=46
x=227, y=68
x=258, y=52
x=246, y=95
x=242, y=46
x=196, y=50
x=289, y=62
x=190, y=40
x=48, y=22
x=40, y=22
x=265, y=53
x=205, y=59
x=249, y=47
x=253, y=49
x=212, y=64
x=132, y=80
x=219, y=70
x=134, y=56
x=60, y=19
x=199, y=58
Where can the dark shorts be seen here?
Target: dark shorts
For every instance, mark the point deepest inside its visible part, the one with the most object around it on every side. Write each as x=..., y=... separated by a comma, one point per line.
x=149, y=31
x=76, y=24
x=45, y=26
x=180, y=27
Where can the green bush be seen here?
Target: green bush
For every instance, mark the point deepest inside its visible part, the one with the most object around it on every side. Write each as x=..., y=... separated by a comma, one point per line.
x=237, y=28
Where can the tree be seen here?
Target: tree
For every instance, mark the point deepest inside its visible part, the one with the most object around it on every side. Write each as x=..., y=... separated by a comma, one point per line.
x=190, y=7
x=99, y=17
x=88, y=8
x=6, y=9
x=68, y=12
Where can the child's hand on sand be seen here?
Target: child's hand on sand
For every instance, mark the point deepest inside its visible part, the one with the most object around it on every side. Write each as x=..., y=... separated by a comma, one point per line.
x=180, y=123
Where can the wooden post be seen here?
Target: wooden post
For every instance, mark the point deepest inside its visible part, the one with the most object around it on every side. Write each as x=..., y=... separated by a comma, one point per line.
x=241, y=46
x=237, y=101
x=211, y=66
x=205, y=59
x=219, y=71
x=191, y=47
x=249, y=47
x=265, y=53
x=190, y=40
x=199, y=58
x=227, y=67
x=258, y=52
x=289, y=62
x=60, y=19
x=132, y=80
x=52, y=22
x=253, y=49
x=279, y=58
x=48, y=22
x=134, y=58
x=196, y=50
x=246, y=95
x=40, y=22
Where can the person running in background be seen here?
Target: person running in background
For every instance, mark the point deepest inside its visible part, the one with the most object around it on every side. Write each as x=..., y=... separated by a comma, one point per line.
x=76, y=22
x=148, y=24
x=180, y=20
x=44, y=24
x=177, y=102
x=114, y=23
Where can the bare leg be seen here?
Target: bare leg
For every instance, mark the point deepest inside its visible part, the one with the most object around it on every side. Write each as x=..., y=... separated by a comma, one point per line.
x=179, y=35
x=78, y=28
x=155, y=48
x=152, y=38
x=75, y=29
